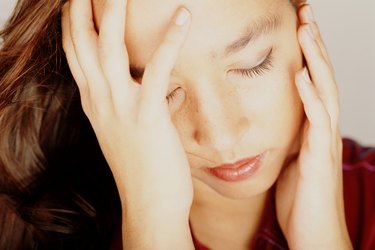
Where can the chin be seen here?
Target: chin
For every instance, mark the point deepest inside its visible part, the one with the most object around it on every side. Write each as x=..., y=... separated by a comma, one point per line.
x=241, y=193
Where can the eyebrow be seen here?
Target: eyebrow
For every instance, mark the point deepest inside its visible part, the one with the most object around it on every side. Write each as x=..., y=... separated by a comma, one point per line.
x=260, y=27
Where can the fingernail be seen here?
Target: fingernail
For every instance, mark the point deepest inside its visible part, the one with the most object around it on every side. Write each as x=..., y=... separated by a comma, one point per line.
x=309, y=14
x=305, y=75
x=182, y=17
x=310, y=31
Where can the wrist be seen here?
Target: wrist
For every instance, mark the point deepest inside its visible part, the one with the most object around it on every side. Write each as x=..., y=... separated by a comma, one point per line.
x=340, y=243
x=155, y=231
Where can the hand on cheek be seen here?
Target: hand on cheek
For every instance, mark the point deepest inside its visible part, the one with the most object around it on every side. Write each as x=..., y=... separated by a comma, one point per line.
x=309, y=191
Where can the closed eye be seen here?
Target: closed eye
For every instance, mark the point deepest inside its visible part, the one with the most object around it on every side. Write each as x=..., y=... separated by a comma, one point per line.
x=258, y=70
x=171, y=96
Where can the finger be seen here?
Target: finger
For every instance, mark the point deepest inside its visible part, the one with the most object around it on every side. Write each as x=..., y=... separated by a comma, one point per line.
x=306, y=16
x=113, y=55
x=157, y=73
x=319, y=130
x=71, y=57
x=70, y=53
x=321, y=73
x=84, y=39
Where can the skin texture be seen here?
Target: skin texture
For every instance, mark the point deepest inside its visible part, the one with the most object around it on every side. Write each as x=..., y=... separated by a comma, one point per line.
x=216, y=116
x=212, y=134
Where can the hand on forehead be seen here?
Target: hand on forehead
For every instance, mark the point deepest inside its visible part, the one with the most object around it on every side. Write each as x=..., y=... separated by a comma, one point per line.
x=215, y=23
x=157, y=12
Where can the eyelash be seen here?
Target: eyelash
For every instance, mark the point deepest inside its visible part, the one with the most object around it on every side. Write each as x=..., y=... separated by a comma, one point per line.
x=256, y=71
x=171, y=96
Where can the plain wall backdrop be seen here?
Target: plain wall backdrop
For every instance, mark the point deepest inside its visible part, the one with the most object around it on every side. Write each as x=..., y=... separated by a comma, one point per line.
x=348, y=28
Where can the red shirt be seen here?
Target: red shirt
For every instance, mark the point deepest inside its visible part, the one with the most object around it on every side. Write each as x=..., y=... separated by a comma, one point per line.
x=359, y=198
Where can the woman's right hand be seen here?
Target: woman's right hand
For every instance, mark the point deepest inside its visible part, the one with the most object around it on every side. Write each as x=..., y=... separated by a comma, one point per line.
x=131, y=120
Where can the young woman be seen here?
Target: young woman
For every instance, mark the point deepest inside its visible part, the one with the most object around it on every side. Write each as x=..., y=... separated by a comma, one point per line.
x=147, y=125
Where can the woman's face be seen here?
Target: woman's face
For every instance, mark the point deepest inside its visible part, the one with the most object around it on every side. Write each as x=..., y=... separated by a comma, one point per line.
x=232, y=91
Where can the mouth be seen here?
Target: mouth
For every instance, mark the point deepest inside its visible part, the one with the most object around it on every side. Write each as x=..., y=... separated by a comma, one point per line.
x=238, y=171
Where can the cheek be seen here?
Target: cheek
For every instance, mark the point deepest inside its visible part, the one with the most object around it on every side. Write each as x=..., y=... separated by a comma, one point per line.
x=272, y=100
x=286, y=110
x=282, y=101
x=274, y=108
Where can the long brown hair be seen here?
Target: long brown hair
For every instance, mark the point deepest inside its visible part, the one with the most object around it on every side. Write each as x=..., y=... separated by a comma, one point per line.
x=56, y=190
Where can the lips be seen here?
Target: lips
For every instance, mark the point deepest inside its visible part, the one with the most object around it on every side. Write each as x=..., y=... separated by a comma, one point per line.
x=239, y=170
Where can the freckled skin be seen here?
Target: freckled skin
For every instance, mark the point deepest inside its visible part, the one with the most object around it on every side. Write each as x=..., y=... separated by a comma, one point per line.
x=222, y=117
x=221, y=120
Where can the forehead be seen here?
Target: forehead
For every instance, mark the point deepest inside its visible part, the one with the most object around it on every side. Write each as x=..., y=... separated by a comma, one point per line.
x=214, y=23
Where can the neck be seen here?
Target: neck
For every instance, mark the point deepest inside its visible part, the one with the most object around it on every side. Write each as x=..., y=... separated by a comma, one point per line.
x=217, y=221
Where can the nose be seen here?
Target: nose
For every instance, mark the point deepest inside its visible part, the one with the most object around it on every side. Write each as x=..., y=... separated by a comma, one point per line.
x=220, y=122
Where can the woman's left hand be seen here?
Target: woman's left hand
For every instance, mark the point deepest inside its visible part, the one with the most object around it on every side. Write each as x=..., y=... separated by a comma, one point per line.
x=309, y=193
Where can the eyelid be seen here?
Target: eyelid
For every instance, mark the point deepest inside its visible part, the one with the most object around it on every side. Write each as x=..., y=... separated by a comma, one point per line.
x=175, y=99
x=261, y=57
x=257, y=70
x=172, y=95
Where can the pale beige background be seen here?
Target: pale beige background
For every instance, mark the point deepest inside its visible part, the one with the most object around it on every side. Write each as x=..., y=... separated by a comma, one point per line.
x=348, y=27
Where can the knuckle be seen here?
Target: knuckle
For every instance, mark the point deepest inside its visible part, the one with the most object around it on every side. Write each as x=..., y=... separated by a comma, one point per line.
x=158, y=56
x=86, y=108
x=65, y=44
x=146, y=119
x=316, y=101
x=104, y=59
x=324, y=115
x=103, y=47
x=75, y=35
x=322, y=118
x=170, y=39
x=318, y=60
x=173, y=35
x=83, y=90
x=100, y=109
x=107, y=53
x=171, y=44
x=163, y=60
x=316, y=30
